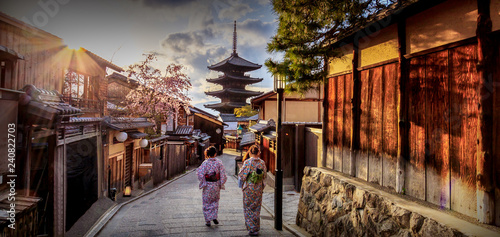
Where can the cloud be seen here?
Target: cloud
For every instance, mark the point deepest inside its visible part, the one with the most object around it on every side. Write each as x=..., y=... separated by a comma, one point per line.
x=234, y=12
x=166, y=3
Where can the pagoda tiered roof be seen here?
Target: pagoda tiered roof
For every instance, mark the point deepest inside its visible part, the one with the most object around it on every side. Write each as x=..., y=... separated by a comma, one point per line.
x=234, y=63
x=233, y=81
x=228, y=78
x=233, y=92
x=226, y=105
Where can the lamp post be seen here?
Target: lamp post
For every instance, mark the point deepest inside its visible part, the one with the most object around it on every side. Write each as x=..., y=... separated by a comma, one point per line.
x=279, y=87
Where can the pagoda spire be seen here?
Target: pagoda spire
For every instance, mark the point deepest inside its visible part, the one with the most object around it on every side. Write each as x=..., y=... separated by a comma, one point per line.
x=234, y=38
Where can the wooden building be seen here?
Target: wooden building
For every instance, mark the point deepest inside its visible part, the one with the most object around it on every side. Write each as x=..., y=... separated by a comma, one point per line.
x=124, y=159
x=296, y=107
x=53, y=145
x=413, y=104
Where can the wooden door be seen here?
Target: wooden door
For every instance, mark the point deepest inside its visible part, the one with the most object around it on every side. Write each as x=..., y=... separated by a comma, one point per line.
x=128, y=164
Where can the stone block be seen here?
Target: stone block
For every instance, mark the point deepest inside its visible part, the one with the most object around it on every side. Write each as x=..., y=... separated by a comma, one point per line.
x=307, y=169
x=432, y=228
x=314, y=187
x=359, y=198
x=402, y=217
x=388, y=227
x=302, y=209
x=326, y=180
x=416, y=222
x=320, y=194
x=349, y=191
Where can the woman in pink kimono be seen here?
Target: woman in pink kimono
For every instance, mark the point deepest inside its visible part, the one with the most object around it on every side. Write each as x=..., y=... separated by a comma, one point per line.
x=212, y=176
x=253, y=174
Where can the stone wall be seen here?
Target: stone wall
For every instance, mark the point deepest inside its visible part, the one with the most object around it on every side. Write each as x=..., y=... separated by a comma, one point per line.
x=331, y=205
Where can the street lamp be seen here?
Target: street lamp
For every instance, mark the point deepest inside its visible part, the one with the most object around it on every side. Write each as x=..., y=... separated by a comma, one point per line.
x=279, y=87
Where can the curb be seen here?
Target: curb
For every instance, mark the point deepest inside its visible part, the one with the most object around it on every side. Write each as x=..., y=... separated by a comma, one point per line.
x=104, y=219
x=287, y=226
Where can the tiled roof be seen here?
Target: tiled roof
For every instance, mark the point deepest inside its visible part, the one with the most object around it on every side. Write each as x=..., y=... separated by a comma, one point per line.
x=184, y=130
x=136, y=134
x=240, y=79
x=262, y=125
x=199, y=111
x=247, y=139
x=112, y=106
x=234, y=61
x=84, y=119
x=162, y=137
x=47, y=103
x=226, y=105
x=233, y=91
x=232, y=118
x=127, y=123
x=255, y=117
x=270, y=136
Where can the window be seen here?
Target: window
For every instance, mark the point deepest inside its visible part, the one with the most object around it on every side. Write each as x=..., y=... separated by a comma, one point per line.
x=78, y=86
x=81, y=91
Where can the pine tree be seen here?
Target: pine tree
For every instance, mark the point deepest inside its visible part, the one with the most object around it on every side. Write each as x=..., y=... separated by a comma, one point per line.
x=306, y=32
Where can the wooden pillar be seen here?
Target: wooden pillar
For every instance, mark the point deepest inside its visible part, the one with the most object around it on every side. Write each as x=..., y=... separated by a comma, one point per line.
x=300, y=160
x=484, y=168
x=402, y=108
x=324, y=128
x=355, y=102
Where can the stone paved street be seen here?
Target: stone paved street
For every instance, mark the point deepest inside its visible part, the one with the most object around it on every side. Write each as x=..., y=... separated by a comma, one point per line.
x=176, y=210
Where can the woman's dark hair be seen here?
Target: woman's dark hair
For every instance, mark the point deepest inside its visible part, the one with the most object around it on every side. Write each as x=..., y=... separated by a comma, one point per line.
x=254, y=150
x=210, y=152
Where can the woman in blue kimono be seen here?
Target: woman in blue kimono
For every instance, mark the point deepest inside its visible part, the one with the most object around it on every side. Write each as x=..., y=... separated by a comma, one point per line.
x=253, y=174
x=212, y=176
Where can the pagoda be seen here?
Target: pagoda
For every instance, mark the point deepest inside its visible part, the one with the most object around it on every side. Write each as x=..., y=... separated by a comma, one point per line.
x=234, y=80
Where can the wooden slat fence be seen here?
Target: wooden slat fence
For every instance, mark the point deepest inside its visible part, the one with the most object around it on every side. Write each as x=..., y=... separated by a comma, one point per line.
x=442, y=115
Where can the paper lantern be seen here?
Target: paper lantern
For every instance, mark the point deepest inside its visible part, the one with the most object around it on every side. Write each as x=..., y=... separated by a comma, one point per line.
x=121, y=136
x=143, y=143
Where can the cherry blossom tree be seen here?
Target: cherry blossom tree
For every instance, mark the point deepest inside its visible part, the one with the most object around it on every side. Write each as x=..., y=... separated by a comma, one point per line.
x=157, y=95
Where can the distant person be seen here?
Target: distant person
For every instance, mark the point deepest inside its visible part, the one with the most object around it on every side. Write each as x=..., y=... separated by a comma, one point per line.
x=212, y=176
x=253, y=174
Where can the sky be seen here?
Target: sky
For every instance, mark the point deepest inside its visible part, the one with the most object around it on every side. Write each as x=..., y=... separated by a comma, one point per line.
x=193, y=33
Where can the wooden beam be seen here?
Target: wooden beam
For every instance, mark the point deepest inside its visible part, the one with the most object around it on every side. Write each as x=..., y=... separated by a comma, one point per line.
x=355, y=101
x=402, y=108
x=484, y=168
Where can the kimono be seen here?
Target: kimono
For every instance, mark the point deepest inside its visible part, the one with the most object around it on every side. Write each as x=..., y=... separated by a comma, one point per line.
x=252, y=193
x=211, y=190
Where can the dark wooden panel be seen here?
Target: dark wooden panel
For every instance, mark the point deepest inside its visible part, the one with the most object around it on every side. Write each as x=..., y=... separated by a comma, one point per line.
x=463, y=127
x=496, y=139
x=364, y=142
x=311, y=148
x=288, y=150
x=390, y=124
x=375, y=126
x=338, y=125
x=265, y=153
x=346, y=132
x=415, y=168
x=330, y=124
x=437, y=129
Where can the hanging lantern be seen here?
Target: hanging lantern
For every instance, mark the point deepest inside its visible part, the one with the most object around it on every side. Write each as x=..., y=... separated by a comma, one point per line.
x=143, y=143
x=121, y=136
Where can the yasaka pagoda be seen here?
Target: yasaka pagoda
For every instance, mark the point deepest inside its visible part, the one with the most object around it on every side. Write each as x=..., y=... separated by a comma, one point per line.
x=234, y=80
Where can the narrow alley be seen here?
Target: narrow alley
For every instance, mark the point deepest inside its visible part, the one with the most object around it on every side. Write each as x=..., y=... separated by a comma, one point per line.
x=176, y=210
